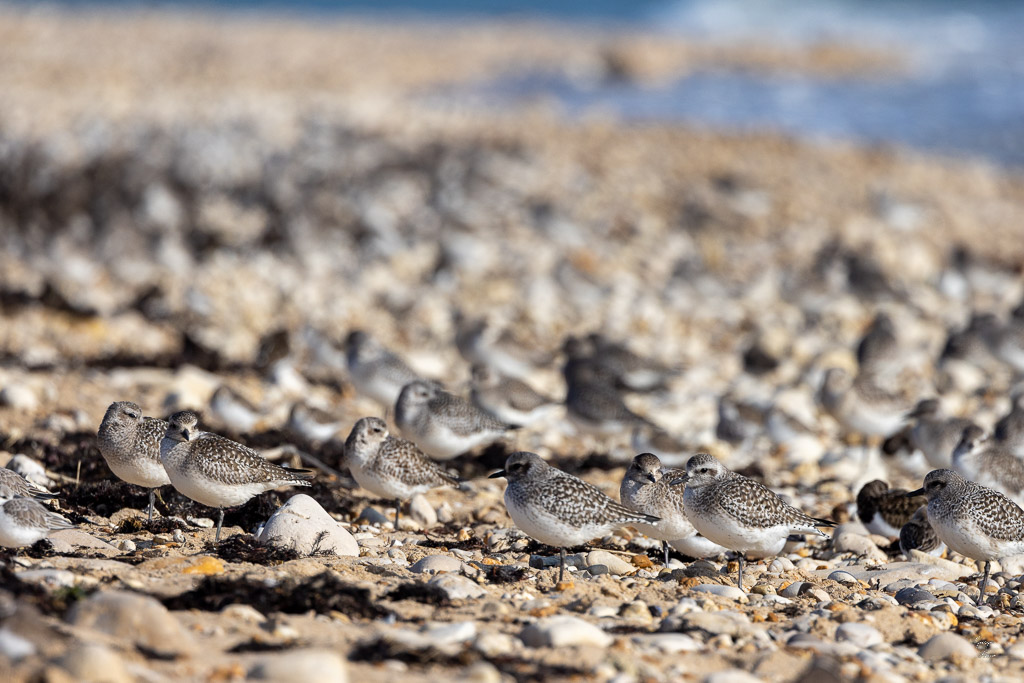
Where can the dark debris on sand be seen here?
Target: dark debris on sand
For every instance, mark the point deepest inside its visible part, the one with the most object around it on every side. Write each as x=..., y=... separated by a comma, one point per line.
x=383, y=649
x=322, y=593
x=53, y=603
x=245, y=548
x=419, y=592
x=102, y=497
x=474, y=465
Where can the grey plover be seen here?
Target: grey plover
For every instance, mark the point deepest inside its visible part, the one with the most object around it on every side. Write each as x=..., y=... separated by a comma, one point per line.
x=557, y=508
x=859, y=405
x=739, y=513
x=971, y=343
x=23, y=521
x=631, y=370
x=973, y=520
x=884, y=511
x=130, y=443
x=1009, y=430
x=918, y=534
x=13, y=485
x=647, y=488
x=593, y=403
x=934, y=435
x=388, y=467
x=312, y=424
x=981, y=460
x=444, y=425
x=230, y=409
x=216, y=471
x=376, y=371
x=878, y=351
x=509, y=399
x=482, y=342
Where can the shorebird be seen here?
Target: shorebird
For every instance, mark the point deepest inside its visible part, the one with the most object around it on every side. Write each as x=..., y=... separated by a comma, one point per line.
x=508, y=399
x=376, y=371
x=594, y=404
x=631, y=371
x=739, y=513
x=482, y=343
x=444, y=425
x=23, y=521
x=973, y=520
x=935, y=436
x=130, y=443
x=218, y=472
x=1009, y=430
x=885, y=511
x=878, y=351
x=918, y=534
x=859, y=405
x=979, y=459
x=558, y=509
x=388, y=467
x=648, y=489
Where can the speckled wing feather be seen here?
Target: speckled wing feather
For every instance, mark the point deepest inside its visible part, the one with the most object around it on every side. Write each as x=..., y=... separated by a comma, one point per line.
x=31, y=513
x=579, y=503
x=393, y=368
x=521, y=395
x=150, y=433
x=402, y=460
x=229, y=462
x=13, y=484
x=600, y=402
x=995, y=514
x=897, y=509
x=1003, y=467
x=756, y=505
x=462, y=417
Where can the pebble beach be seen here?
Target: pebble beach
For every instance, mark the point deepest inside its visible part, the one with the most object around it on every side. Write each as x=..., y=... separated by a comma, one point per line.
x=195, y=210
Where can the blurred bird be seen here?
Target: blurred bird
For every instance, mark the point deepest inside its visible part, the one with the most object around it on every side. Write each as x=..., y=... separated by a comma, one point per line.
x=375, y=371
x=979, y=459
x=482, y=343
x=878, y=353
x=233, y=411
x=918, y=534
x=935, y=436
x=884, y=511
x=509, y=399
x=592, y=402
x=1009, y=430
x=631, y=371
x=860, y=406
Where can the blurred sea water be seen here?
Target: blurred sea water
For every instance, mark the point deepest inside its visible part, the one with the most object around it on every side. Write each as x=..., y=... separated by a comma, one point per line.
x=961, y=95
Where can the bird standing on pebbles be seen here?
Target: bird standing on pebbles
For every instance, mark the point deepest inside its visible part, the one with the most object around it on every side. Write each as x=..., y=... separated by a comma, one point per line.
x=979, y=459
x=884, y=511
x=594, y=404
x=444, y=425
x=388, y=467
x=130, y=443
x=23, y=521
x=648, y=489
x=216, y=471
x=739, y=513
x=973, y=520
x=918, y=534
x=376, y=371
x=557, y=508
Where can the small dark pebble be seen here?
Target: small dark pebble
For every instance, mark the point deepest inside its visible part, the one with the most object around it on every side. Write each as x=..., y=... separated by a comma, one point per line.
x=909, y=596
x=597, y=569
x=699, y=569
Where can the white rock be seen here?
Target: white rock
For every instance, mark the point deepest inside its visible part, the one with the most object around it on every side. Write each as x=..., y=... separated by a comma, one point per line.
x=243, y=613
x=50, y=578
x=669, y=643
x=80, y=539
x=840, y=576
x=861, y=635
x=731, y=592
x=139, y=619
x=19, y=397
x=435, y=564
x=780, y=565
x=30, y=469
x=448, y=634
x=615, y=564
x=94, y=662
x=374, y=516
x=303, y=525
x=295, y=666
x=457, y=587
x=422, y=512
x=13, y=646
x=496, y=644
x=564, y=631
x=731, y=676
x=859, y=545
x=944, y=645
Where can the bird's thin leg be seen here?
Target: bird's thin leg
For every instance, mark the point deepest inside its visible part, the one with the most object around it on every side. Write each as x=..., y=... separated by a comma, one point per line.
x=398, y=505
x=152, y=502
x=739, y=573
x=561, y=564
x=220, y=523
x=665, y=547
x=984, y=582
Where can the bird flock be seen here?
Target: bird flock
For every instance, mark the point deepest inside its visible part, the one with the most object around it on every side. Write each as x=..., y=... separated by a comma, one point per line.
x=969, y=502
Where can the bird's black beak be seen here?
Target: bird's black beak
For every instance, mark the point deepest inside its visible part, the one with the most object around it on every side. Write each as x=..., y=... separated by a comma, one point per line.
x=911, y=494
x=651, y=478
x=497, y=475
x=184, y=434
x=679, y=480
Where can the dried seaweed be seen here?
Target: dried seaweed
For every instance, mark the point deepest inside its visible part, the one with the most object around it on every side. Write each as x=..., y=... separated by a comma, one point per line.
x=322, y=593
x=244, y=548
x=425, y=593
